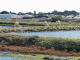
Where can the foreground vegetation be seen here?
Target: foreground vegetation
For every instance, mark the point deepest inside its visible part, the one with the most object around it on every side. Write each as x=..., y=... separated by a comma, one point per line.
x=46, y=42
x=39, y=57
x=33, y=46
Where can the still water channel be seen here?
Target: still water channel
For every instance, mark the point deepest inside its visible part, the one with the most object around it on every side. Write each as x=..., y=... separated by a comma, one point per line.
x=58, y=34
x=8, y=58
x=3, y=56
x=6, y=26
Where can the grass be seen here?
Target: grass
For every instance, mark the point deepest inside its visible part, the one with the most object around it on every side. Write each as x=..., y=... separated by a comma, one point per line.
x=39, y=28
x=39, y=56
x=25, y=26
x=33, y=22
x=22, y=20
x=29, y=25
x=26, y=57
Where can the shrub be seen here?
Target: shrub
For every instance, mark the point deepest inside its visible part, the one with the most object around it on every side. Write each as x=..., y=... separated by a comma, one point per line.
x=56, y=18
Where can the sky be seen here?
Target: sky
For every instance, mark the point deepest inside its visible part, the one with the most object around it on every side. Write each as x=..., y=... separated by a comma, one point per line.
x=39, y=5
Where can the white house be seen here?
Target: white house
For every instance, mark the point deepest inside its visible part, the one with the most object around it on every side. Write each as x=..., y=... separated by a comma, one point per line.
x=68, y=17
x=10, y=16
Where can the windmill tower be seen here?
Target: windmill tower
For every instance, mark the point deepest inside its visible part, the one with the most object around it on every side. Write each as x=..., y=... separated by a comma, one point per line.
x=79, y=14
x=35, y=13
x=10, y=12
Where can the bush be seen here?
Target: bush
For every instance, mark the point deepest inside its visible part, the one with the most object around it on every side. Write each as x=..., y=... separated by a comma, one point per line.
x=56, y=18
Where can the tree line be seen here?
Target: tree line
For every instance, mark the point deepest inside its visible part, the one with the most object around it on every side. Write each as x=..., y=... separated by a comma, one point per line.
x=41, y=14
x=66, y=12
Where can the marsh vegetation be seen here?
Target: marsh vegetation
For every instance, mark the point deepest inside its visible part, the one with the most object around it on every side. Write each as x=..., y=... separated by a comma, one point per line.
x=39, y=45
x=47, y=43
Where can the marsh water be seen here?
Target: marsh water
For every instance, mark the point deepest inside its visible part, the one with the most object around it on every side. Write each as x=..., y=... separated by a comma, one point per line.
x=8, y=58
x=4, y=56
x=58, y=34
x=6, y=26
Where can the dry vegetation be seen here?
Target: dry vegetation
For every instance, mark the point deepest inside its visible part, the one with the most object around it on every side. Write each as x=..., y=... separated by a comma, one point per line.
x=19, y=20
x=39, y=29
x=36, y=50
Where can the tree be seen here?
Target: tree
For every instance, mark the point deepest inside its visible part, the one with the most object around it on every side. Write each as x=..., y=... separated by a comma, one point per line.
x=66, y=12
x=48, y=13
x=20, y=13
x=60, y=13
x=41, y=15
x=4, y=12
x=55, y=12
x=56, y=18
x=30, y=13
x=12, y=13
x=75, y=13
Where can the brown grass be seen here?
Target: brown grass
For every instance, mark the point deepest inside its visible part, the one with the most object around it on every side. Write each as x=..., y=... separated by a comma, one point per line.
x=31, y=50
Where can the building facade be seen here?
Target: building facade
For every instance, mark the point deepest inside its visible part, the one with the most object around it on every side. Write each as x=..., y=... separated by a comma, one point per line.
x=14, y=16
x=11, y=16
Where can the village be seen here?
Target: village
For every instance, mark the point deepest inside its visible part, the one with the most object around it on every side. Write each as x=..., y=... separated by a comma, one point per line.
x=40, y=16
